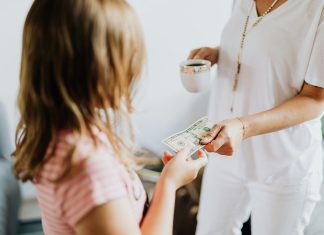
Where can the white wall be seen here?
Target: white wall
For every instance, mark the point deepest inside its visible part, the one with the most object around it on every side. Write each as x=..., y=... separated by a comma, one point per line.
x=12, y=16
x=172, y=29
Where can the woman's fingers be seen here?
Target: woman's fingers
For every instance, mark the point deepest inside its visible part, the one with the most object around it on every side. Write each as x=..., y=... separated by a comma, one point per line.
x=225, y=150
x=220, y=146
x=203, y=54
x=211, y=135
x=215, y=144
x=193, y=53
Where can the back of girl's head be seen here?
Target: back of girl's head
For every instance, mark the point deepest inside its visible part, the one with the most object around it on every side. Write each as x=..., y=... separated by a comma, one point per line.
x=78, y=57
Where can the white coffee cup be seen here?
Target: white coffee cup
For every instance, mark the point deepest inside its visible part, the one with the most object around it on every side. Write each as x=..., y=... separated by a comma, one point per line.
x=195, y=75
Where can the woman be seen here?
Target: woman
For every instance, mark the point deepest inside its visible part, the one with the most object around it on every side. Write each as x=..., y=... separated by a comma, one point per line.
x=269, y=93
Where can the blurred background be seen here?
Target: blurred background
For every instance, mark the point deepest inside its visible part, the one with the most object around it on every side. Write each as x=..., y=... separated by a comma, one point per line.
x=172, y=29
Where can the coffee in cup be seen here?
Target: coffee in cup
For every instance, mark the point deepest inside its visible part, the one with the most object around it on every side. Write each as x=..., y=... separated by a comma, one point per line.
x=195, y=75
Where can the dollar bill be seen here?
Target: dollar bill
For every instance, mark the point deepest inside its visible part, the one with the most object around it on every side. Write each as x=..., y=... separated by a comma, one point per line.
x=189, y=137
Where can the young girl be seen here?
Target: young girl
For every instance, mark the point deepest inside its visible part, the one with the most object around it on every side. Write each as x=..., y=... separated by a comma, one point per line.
x=80, y=61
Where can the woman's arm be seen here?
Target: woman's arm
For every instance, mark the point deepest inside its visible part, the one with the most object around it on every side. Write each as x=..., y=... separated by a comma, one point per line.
x=307, y=105
x=226, y=136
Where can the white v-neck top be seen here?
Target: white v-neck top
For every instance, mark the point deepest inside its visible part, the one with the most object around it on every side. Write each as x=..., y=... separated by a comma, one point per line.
x=285, y=49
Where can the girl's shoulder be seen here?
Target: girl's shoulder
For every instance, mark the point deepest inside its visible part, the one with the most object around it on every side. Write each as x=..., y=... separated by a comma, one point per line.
x=79, y=175
x=69, y=154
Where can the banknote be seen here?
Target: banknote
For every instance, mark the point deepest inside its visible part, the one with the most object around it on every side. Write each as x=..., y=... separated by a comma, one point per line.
x=189, y=137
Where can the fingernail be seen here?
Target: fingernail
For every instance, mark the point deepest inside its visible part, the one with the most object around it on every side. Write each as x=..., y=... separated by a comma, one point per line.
x=204, y=140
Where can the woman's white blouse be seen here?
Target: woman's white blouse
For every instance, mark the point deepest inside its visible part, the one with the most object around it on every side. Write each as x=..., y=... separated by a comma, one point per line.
x=285, y=49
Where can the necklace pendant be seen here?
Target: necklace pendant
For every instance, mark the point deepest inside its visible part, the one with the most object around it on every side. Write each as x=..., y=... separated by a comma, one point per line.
x=235, y=84
x=238, y=69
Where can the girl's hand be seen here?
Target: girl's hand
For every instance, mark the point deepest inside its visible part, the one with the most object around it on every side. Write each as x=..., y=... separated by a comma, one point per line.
x=205, y=53
x=225, y=137
x=180, y=169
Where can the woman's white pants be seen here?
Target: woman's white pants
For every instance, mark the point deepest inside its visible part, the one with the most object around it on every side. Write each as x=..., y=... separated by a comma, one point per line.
x=227, y=201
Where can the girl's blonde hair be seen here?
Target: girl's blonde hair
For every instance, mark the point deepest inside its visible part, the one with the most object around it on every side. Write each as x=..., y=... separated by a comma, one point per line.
x=80, y=60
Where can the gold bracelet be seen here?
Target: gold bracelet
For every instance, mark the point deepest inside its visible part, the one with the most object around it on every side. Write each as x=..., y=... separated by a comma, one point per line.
x=243, y=126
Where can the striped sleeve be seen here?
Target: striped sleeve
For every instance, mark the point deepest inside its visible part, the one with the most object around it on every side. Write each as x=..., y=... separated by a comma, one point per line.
x=98, y=182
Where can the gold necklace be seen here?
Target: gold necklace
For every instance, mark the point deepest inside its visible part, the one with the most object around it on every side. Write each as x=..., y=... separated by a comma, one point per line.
x=244, y=34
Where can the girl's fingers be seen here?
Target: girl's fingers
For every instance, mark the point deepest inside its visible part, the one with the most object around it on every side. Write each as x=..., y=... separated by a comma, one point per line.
x=169, y=158
x=166, y=157
x=167, y=154
x=201, y=161
x=201, y=153
x=164, y=160
x=184, y=153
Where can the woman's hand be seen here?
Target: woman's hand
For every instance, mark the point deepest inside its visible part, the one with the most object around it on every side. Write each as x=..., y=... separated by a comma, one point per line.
x=225, y=137
x=180, y=169
x=205, y=53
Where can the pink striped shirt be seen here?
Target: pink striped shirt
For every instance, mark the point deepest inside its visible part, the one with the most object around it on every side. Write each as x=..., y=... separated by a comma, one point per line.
x=99, y=180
